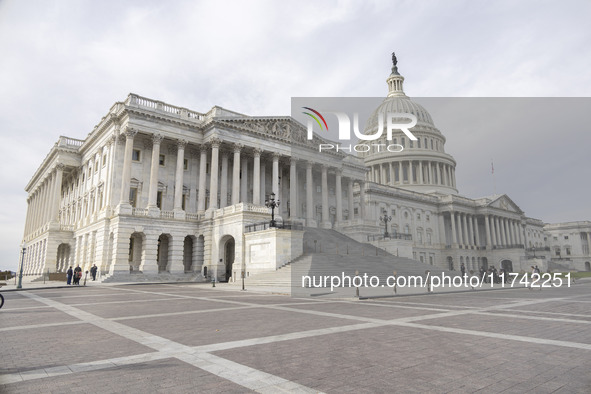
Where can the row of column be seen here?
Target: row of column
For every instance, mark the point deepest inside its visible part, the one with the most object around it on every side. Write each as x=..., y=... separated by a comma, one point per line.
x=239, y=183
x=500, y=231
x=415, y=172
x=43, y=203
x=35, y=258
x=81, y=201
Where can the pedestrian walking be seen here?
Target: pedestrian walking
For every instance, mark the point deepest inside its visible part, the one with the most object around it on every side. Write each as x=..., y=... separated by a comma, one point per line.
x=70, y=273
x=93, y=271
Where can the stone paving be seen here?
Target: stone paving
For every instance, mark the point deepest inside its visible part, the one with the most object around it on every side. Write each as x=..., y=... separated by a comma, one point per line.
x=186, y=338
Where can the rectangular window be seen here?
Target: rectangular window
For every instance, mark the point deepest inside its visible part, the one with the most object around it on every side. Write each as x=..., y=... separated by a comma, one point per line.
x=356, y=211
x=133, y=196
x=162, y=160
x=184, y=199
x=207, y=170
x=159, y=199
x=557, y=251
x=318, y=189
x=135, y=155
x=568, y=251
x=331, y=191
x=185, y=164
x=410, y=143
x=566, y=237
x=104, y=159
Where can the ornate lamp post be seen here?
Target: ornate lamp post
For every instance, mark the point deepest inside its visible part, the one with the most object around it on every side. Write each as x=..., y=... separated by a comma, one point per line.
x=385, y=219
x=271, y=203
x=20, y=275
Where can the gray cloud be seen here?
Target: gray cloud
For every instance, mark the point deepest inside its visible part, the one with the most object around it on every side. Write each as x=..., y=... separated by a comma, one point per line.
x=64, y=63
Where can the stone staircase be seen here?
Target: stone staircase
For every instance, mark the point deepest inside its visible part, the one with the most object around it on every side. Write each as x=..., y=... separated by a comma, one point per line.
x=328, y=253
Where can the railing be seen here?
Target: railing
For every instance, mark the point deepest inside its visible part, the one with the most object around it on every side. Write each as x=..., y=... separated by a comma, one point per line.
x=406, y=237
x=139, y=211
x=139, y=101
x=194, y=216
x=66, y=227
x=241, y=207
x=538, y=249
x=166, y=214
x=515, y=246
x=69, y=142
x=250, y=228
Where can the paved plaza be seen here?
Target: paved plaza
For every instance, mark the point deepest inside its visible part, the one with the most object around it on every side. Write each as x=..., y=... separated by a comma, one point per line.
x=194, y=338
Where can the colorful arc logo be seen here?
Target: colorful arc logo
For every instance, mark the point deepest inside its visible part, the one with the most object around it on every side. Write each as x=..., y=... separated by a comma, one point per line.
x=315, y=118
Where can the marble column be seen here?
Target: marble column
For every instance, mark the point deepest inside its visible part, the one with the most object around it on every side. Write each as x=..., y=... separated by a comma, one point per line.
x=498, y=240
x=309, y=195
x=293, y=189
x=421, y=172
x=154, y=165
x=178, y=176
x=126, y=178
x=263, y=181
x=59, y=173
x=362, y=200
x=202, y=178
x=477, y=232
x=350, y=200
x=400, y=175
x=275, y=177
x=471, y=230
x=224, y=181
x=463, y=229
x=256, y=177
x=430, y=174
x=214, y=181
x=392, y=177
x=244, y=179
x=236, y=175
x=108, y=176
x=325, y=212
x=452, y=217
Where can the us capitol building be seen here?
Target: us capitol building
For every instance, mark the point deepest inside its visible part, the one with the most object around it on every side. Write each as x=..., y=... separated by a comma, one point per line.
x=157, y=190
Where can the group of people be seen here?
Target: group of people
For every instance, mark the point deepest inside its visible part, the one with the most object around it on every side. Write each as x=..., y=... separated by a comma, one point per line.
x=74, y=275
x=489, y=274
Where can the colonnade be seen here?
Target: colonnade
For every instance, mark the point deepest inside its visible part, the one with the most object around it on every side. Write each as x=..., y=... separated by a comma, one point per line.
x=413, y=172
x=500, y=232
x=43, y=202
x=243, y=159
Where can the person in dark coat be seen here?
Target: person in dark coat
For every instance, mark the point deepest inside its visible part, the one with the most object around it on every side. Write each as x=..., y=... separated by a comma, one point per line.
x=70, y=273
x=77, y=275
x=93, y=270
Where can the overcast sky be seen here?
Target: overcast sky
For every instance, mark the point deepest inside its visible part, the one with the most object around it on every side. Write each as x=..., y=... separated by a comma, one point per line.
x=64, y=63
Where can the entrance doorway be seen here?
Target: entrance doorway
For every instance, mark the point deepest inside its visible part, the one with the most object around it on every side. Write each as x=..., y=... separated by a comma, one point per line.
x=227, y=253
x=450, y=263
x=507, y=265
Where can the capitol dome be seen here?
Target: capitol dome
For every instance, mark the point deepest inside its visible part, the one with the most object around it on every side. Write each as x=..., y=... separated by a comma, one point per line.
x=421, y=165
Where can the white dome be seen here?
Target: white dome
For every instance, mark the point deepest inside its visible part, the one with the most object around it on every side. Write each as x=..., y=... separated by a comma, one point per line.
x=422, y=165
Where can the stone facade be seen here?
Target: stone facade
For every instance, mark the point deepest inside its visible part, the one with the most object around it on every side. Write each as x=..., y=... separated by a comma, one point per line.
x=158, y=189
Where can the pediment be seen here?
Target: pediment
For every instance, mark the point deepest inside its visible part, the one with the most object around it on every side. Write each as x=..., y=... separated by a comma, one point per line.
x=505, y=203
